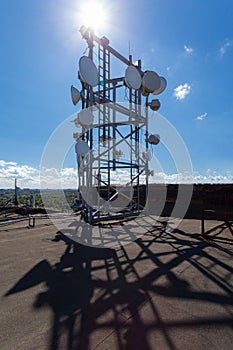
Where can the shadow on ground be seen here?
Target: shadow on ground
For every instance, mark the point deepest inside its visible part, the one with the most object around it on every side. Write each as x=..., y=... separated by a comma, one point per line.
x=115, y=296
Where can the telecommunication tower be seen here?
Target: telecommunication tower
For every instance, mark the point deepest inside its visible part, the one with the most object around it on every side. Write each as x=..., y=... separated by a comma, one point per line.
x=107, y=128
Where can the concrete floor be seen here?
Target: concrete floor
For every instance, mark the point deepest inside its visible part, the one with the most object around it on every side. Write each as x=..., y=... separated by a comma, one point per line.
x=165, y=291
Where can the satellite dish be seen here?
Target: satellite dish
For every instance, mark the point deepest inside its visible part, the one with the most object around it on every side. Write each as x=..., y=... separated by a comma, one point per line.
x=162, y=86
x=82, y=148
x=154, y=139
x=133, y=77
x=75, y=95
x=88, y=71
x=85, y=117
x=150, y=82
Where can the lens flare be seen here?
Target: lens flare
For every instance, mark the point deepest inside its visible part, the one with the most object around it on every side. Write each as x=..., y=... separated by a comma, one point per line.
x=93, y=14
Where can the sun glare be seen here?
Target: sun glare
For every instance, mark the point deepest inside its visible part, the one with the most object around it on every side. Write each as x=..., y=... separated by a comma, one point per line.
x=93, y=14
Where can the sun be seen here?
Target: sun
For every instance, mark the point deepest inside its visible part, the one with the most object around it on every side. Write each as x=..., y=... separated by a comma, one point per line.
x=93, y=14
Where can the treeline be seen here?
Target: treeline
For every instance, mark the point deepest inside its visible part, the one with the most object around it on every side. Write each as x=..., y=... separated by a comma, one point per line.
x=52, y=198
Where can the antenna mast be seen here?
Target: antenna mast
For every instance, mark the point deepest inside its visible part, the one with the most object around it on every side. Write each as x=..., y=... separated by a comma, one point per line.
x=107, y=127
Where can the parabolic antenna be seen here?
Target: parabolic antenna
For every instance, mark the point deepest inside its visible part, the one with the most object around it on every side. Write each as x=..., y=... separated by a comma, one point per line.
x=154, y=139
x=162, y=86
x=75, y=95
x=147, y=155
x=150, y=82
x=82, y=148
x=85, y=117
x=154, y=104
x=133, y=78
x=88, y=71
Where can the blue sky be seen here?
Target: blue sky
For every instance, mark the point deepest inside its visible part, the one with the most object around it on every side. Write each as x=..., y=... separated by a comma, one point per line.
x=188, y=42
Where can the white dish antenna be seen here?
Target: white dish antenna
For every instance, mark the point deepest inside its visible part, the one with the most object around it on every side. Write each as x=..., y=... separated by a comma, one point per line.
x=147, y=155
x=162, y=86
x=150, y=82
x=85, y=117
x=75, y=95
x=88, y=71
x=82, y=148
x=133, y=77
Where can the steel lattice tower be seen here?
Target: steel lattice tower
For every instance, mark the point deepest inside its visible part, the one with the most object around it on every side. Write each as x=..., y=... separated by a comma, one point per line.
x=99, y=196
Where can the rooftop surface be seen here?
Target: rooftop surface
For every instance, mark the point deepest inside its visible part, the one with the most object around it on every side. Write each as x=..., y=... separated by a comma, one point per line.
x=166, y=290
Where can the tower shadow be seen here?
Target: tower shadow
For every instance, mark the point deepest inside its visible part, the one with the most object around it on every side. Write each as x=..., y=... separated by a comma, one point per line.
x=103, y=293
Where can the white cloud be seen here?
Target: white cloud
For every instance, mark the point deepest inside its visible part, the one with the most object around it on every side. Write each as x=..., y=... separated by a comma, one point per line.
x=24, y=173
x=69, y=172
x=224, y=47
x=29, y=177
x=3, y=163
x=188, y=49
x=52, y=178
x=195, y=178
x=175, y=178
x=181, y=91
x=202, y=116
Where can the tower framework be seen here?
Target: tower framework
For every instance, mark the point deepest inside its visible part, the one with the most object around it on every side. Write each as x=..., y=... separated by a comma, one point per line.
x=117, y=139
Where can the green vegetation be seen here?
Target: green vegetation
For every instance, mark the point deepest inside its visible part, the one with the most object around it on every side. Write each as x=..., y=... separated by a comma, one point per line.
x=54, y=199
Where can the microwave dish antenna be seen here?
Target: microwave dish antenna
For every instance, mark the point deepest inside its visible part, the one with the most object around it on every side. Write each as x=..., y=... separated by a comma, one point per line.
x=88, y=72
x=154, y=139
x=82, y=148
x=75, y=95
x=85, y=117
x=154, y=105
x=150, y=82
x=162, y=86
x=133, y=77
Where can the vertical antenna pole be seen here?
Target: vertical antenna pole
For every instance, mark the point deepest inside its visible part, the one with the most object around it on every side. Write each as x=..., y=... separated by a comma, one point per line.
x=16, y=193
